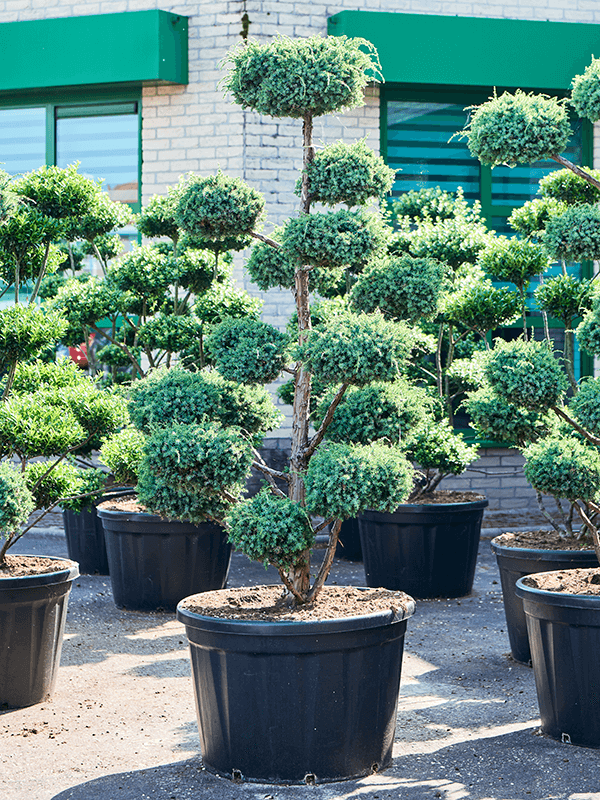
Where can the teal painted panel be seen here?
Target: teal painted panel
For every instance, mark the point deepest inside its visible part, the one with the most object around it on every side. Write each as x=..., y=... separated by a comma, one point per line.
x=96, y=49
x=470, y=51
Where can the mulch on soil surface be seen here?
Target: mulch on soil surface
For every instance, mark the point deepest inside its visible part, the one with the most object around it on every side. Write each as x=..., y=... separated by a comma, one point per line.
x=568, y=581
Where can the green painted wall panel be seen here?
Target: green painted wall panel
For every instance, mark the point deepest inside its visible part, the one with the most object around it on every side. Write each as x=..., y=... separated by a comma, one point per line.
x=97, y=49
x=470, y=51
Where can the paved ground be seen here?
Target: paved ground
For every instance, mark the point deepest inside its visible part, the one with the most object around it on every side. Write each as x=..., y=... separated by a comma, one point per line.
x=121, y=723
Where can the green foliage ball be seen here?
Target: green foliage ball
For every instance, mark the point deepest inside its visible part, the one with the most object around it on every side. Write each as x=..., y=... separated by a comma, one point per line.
x=588, y=332
x=270, y=529
x=357, y=348
x=248, y=351
x=102, y=217
x=168, y=332
x=437, y=446
x=433, y=205
x=495, y=418
x=122, y=453
x=146, y=274
x=563, y=467
x=292, y=77
x=89, y=480
x=401, y=288
x=347, y=173
x=518, y=128
x=30, y=427
x=378, y=411
x=454, y=241
x=224, y=300
x=158, y=496
x=531, y=218
x=344, y=479
x=564, y=297
x=63, y=481
x=335, y=239
x=564, y=186
x=574, y=235
x=526, y=374
x=58, y=192
x=586, y=405
x=200, y=458
x=29, y=377
x=585, y=94
x=83, y=305
x=514, y=260
x=157, y=218
x=16, y=501
x=482, y=307
x=25, y=330
x=218, y=206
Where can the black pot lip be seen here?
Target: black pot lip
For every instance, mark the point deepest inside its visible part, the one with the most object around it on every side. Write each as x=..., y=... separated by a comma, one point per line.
x=130, y=516
x=302, y=627
x=43, y=578
x=565, y=599
x=424, y=508
x=547, y=555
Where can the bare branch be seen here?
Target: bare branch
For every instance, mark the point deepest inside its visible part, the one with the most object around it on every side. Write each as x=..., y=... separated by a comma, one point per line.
x=266, y=239
x=586, y=434
x=318, y=437
x=289, y=585
x=581, y=173
x=327, y=562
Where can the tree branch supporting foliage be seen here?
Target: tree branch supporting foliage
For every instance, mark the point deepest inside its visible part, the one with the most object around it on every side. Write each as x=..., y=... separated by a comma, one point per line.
x=266, y=239
x=546, y=515
x=318, y=437
x=581, y=173
x=122, y=347
x=323, y=572
x=586, y=434
x=583, y=511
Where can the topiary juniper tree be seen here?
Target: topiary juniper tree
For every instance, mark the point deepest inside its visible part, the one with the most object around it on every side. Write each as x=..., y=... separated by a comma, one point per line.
x=48, y=410
x=524, y=378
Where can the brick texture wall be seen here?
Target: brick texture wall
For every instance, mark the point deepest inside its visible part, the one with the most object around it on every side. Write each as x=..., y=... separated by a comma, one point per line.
x=194, y=128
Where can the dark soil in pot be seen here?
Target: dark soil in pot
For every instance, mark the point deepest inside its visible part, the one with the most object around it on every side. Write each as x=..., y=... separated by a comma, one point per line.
x=154, y=563
x=292, y=699
x=33, y=607
x=563, y=623
x=520, y=554
x=425, y=549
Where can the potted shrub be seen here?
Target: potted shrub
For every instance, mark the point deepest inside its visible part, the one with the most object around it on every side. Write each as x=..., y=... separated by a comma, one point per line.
x=48, y=412
x=280, y=648
x=562, y=608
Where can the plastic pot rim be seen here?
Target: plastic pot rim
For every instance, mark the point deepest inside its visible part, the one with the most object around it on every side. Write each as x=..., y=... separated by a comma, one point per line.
x=552, y=598
x=42, y=578
x=550, y=555
x=418, y=508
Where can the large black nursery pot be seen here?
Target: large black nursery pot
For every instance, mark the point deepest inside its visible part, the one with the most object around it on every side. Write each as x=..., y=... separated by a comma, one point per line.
x=348, y=546
x=296, y=702
x=154, y=563
x=423, y=550
x=85, y=540
x=564, y=634
x=33, y=610
x=515, y=563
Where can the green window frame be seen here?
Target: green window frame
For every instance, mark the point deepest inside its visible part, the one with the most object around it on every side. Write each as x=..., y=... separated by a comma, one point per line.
x=76, y=103
x=468, y=96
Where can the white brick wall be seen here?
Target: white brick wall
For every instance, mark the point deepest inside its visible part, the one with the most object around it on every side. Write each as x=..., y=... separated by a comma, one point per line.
x=195, y=128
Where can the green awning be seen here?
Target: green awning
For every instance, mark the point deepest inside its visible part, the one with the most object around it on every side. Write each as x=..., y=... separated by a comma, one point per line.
x=99, y=49
x=473, y=51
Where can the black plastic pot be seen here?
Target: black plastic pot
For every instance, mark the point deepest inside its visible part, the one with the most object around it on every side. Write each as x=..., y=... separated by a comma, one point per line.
x=33, y=610
x=348, y=546
x=515, y=563
x=296, y=702
x=564, y=633
x=423, y=550
x=85, y=540
x=155, y=563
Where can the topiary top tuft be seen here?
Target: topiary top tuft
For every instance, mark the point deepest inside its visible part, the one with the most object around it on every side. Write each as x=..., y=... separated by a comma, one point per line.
x=585, y=95
x=292, y=77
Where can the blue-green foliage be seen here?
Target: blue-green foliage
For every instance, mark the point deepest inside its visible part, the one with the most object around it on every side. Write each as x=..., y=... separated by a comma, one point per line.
x=401, y=288
x=248, y=351
x=564, y=297
x=526, y=374
x=495, y=418
x=574, y=235
x=357, y=348
x=16, y=501
x=347, y=173
x=218, y=206
x=335, y=239
x=377, y=411
x=588, y=332
x=224, y=300
x=157, y=495
x=270, y=529
x=436, y=446
x=122, y=453
x=344, y=479
x=173, y=396
x=564, y=467
x=585, y=95
x=564, y=186
x=586, y=405
x=157, y=217
x=200, y=458
x=518, y=128
x=482, y=307
x=290, y=77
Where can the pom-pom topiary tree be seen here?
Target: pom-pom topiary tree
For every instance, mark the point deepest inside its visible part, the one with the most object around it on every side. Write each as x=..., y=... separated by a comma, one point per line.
x=524, y=398
x=200, y=427
x=50, y=411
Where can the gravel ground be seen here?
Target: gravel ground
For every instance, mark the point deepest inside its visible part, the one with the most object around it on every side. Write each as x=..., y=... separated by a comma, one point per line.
x=121, y=724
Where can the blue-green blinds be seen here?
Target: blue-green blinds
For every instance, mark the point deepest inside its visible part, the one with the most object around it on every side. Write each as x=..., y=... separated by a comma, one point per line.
x=22, y=139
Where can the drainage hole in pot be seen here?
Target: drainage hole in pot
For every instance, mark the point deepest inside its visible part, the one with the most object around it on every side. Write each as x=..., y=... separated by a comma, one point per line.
x=236, y=775
x=566, y=739
x=374, y=767
x=310, y=779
